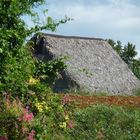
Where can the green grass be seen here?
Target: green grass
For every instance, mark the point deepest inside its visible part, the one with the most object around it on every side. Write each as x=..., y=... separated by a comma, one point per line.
x=102, y=122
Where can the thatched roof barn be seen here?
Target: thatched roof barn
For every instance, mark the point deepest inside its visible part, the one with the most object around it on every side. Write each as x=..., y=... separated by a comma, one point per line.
x=92, y=64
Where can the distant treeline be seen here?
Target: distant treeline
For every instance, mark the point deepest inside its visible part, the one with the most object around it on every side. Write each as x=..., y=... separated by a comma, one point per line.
x=128, y=53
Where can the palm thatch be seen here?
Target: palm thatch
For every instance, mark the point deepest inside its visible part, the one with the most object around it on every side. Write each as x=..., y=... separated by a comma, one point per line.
x=92, y=64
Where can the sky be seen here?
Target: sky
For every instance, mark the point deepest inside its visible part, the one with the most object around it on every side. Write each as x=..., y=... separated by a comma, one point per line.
x=115, y=19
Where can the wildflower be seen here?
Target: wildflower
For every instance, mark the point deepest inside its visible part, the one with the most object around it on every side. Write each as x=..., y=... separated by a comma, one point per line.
x=65, y=100
x=31, y=135
x=70, y=124
x=39, y=107
x=63, y=125
x=32, y=81
x=3, y=138
x=66, y=117
x=27, y=117
x=16, y=125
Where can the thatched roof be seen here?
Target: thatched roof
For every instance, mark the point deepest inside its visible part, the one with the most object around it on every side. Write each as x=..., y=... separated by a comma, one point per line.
x=92, y=64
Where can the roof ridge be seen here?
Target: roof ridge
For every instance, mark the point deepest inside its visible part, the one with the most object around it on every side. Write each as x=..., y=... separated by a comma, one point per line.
x=73, y=37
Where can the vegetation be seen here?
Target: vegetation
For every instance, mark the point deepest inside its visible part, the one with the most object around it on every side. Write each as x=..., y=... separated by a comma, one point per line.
x=102, y=122
x=28, y=108
x=45, y=117
x=128, y=54
x=52, y=118
x=18, y=66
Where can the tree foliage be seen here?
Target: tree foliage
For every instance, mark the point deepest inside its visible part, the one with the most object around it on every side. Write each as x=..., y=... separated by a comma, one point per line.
x=128, y=54
x=17, y=64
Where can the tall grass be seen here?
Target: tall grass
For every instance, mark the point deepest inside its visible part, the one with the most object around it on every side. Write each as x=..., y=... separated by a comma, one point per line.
x=102, y=122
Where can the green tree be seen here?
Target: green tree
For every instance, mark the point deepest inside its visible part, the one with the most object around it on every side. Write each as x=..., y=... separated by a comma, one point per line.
x=111, y=42
x=117, y=46
x=135, y=67
x=17, y=64
x=128, y=54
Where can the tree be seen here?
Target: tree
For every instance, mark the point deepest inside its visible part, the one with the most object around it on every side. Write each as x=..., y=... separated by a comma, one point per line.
x=117, y=46
x=111, y=42
x=135, y=67
x=128, y=54
x=16, y=62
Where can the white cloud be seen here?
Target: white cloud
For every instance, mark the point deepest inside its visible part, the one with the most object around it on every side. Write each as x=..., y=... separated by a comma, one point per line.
x=116, y=19
x=129, y=24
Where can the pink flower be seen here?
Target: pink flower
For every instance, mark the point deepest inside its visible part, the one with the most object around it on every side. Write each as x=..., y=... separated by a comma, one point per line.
x=16, y=125
x=27, y=117
x=70, y=124
x=65, y=100
x=3, y=138
x=31, y=135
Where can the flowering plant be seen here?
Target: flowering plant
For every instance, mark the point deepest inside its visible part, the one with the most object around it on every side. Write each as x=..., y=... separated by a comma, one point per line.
x=53, y=115
x=15, y=120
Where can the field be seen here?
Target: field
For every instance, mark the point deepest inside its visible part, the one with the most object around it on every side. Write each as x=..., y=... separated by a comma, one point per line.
x=85, y=101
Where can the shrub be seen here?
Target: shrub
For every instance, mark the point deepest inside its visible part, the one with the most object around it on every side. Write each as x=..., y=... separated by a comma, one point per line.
x=15, y=120
x=17, y=64
x=53, y=117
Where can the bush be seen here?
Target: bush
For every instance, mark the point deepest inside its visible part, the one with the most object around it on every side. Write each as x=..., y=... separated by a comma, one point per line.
x=15, y=120
x=54, y=117
x=17, y=64
x=15, y=72
x=48, y=72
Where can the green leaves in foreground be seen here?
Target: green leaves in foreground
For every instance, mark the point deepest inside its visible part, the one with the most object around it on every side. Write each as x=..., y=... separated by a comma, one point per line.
x=17, y=64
